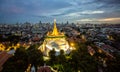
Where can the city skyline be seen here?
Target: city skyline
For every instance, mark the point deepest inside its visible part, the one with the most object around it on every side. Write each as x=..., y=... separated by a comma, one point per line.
x=84, y=11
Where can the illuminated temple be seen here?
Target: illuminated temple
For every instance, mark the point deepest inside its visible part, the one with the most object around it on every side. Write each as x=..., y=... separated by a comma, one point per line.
x=55, y=40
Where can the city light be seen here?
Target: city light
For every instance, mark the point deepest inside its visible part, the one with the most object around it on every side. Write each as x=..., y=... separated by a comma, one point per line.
x=59, y=35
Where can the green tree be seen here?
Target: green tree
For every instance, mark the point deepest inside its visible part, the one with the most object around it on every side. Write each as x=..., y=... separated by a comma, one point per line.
x=35, y=56
x=81, y=60
x=113, y=64
x=17, y=63
x=52, y=57
x=61, y=57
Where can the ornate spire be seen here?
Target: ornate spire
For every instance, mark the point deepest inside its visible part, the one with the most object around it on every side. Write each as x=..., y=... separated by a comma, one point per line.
x=55, y=30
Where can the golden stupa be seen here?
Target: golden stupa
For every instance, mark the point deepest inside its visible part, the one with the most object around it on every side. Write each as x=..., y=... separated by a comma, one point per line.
x=54, y=40
x=55, y=32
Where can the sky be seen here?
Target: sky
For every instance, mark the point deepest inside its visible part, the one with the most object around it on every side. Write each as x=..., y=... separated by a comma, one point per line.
x=77, y=11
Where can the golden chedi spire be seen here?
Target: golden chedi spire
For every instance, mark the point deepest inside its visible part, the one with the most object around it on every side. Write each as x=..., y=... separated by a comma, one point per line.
x=55, y=30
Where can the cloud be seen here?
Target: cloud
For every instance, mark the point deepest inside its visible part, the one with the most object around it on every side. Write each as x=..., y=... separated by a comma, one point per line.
x=79, y=2
x=86, y=12
x=71, y=10
x=100, y=20
x=73, y=14
x=92, y=12
x=85, y=20
x=33, y=6
x=108, y=3
x=110, y=19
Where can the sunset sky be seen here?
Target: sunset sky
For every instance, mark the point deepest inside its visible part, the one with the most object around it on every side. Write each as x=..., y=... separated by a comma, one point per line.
x=82, y=11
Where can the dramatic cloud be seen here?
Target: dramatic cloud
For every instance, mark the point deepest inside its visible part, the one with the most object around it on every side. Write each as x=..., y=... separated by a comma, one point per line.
x=12, y=11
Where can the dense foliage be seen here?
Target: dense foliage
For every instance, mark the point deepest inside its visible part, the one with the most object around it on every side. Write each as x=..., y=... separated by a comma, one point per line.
x=77, y=60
